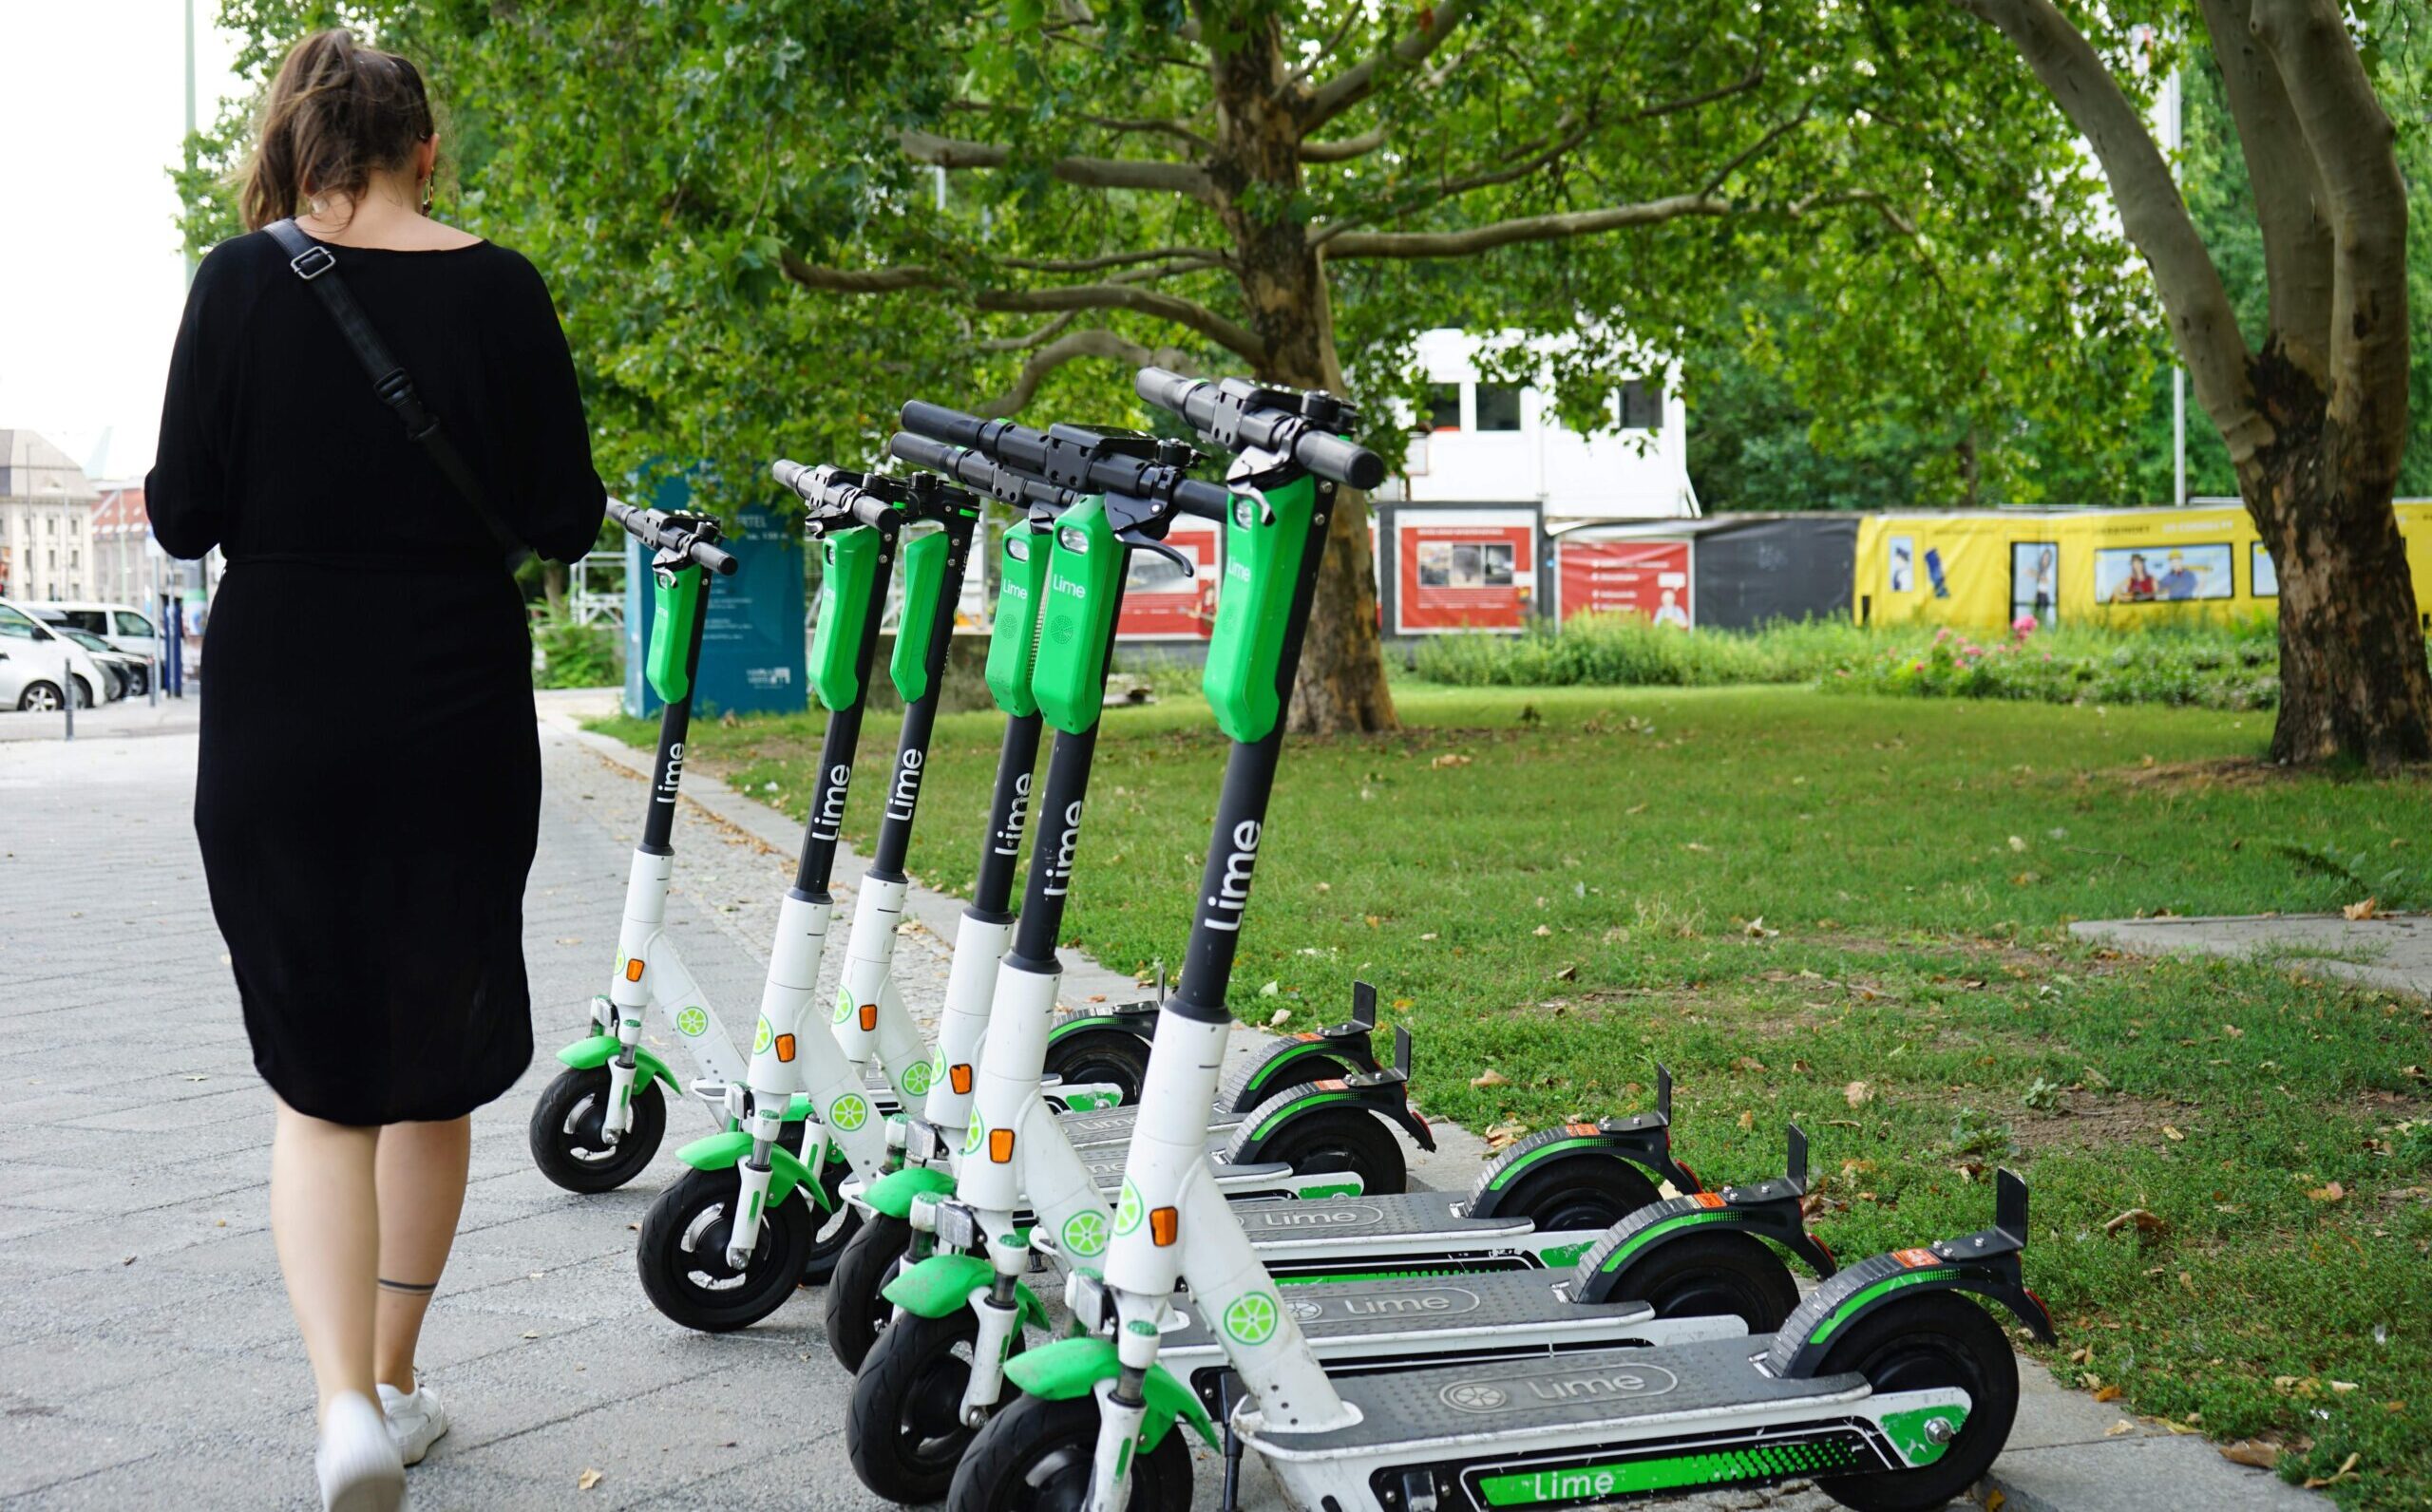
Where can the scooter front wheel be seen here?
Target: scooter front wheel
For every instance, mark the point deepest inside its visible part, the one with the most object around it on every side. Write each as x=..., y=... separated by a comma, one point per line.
x=565, y=1134
x=1034, y=1456
x=905, y=1423
x=834, y=1227
x=857, y=1311
x=1940, y=1339
x=684, y=1261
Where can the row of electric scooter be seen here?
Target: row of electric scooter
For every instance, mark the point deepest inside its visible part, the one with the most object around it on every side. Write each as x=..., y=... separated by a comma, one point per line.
x=1240, y=1258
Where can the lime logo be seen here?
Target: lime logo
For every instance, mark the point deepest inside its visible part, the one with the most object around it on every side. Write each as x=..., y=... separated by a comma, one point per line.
x=762, y=1038
x=978, y=1131
x=1084, y=1234
x=1127, y=1211
x=850, y=1112
x=1251, y=1319
x=692, y=1023
x=917, y=1077
x=1476, y=1396
x=1305, y=1311
x=844, y=1006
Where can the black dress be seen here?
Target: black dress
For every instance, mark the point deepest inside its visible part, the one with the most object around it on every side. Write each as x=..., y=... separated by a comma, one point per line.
x=368, y=790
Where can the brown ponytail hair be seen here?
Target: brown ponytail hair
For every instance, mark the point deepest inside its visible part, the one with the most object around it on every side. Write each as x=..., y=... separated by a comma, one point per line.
x=337, y=113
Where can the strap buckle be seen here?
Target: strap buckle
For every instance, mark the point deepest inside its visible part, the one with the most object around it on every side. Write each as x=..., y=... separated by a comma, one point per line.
x=320, y=260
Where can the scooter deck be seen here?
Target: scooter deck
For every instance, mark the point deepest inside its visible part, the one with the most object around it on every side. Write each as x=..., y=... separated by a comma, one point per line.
x=1446, y=1316
x=1114, y=1125
x=1106, y=1167
x=1622, y=1392
x=1373, y=1227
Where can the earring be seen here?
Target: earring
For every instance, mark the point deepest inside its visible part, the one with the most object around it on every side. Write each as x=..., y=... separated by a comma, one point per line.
x=425, y=193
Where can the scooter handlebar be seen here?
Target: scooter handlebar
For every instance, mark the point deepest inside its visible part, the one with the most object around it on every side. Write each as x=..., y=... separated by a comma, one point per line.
x=976, y=471
x=832, y=494
x=1056, y=459
x=1230, y=411
x=652, y=527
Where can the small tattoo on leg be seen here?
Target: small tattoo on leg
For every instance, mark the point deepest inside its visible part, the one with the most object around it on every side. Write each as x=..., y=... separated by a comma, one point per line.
x=408, y=1288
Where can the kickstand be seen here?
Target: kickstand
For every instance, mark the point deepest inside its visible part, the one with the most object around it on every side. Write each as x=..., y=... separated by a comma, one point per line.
x=1232, y=1499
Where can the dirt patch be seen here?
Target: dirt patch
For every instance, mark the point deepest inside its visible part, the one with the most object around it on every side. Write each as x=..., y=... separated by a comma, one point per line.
x=2235, y=772
x=2091, y=1121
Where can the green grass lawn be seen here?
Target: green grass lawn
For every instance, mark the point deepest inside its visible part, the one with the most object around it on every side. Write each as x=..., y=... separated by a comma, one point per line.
x=1850, y=912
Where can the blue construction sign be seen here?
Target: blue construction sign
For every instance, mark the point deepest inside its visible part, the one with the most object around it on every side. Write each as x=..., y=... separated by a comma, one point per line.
x=751, y=650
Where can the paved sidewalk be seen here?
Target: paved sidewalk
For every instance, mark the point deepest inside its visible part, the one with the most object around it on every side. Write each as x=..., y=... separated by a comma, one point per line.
x=2390, y=949
x=146, y=1355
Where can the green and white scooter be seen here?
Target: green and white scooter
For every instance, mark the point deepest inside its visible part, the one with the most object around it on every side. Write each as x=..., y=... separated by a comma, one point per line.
x=934, y=1374
x=725, y=1245
x=1889, y=1390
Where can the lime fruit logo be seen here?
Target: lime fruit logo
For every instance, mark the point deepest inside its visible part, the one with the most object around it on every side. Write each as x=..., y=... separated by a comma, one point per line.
x=1084, y=1234
x=978, y=1131
x=844, y=1006
x=1251, y=1319
x=850, y=1112
x=692, y=1023
x=762, y=1038
x=1128, y=1212
x=917, y=1077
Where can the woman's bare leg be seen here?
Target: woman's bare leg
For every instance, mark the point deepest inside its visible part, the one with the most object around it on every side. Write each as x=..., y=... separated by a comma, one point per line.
x=420, y=1182
x=326, y=1223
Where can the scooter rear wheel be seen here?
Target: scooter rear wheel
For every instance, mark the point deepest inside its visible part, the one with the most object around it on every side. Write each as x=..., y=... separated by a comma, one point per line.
x=1342, y=1138
x=904, y=1426
x=566, y=1132
x=683, y=1254
x=1579, y=1193
x=1717, y=1276
x=857, y=1312
x=1941, y=1338
x=1034, y=1457
x=1114, y=1057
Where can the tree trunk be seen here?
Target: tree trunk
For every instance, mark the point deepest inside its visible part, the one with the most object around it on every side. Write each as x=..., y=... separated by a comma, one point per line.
x=2352, y=675
x=553, y=587
x=1257, y=171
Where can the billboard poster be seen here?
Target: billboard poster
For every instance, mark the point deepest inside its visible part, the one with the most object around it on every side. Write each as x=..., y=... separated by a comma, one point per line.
x=1901, y=576
x=1646, y=577
x=1467, y=569
x=2035, y=579
x=2266, y=572
x=1160, y=601
x=2159, y=574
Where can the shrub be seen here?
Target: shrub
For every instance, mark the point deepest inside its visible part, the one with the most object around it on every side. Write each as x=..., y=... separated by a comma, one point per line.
x=569, y=655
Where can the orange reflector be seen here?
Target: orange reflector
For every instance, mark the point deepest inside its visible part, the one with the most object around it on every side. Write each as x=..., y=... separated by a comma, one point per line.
x=1165, y=1223
x=1916, y=1259
x=1332, y=1084
x=961, y=1077
x=785, y=1047
x=1001, y=1146
x=634, y=969
x=869, y=1016
x=1709, y=1198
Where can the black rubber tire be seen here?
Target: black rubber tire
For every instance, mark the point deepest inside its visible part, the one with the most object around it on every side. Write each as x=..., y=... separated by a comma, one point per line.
x=1717, y=1276
x=84, y=694
x=1034, y=1457
x=1941, y=1338
x=1234, y=1096
x=38, y=698
x=831, y=1227
x=683, y=1254
x=1113, y=1055
x=857, y=1313
x=1578, y=1192
x=903, y=1427
x=565, y=1132
x=1342, y=1138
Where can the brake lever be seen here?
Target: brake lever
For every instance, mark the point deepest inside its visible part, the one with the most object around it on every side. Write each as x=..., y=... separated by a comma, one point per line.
x=1139, y=542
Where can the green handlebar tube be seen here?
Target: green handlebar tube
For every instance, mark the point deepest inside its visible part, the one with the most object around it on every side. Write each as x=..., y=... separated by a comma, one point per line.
x=1014, y=641
x=848, y=577
x=924, y=573
x=1083, y=591
x=1262, y=554
x=677, y=599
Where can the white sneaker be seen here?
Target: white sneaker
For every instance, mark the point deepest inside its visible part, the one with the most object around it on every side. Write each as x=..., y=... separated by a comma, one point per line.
x=357, y=1461
x=416, y=1419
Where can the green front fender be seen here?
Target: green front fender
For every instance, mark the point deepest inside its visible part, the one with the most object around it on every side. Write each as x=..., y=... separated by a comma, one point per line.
x=942, y=1285
x=1071, y=1368
x=590, y=1054
x=892, y=1194
x=724, y=1152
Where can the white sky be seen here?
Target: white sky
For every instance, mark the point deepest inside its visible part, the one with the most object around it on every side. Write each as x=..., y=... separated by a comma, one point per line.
x=92, y=113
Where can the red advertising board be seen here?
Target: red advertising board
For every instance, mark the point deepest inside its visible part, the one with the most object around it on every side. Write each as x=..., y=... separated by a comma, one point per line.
x=1466, y=569
x=1159, y=603
x=1646, y=577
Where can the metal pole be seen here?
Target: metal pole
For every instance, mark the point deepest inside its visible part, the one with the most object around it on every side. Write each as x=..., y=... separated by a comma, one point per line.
x=188, y=7
x=152, y=676
x=67, y=691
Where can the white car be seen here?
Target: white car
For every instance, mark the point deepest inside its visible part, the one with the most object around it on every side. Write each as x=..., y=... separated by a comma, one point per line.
x=35, y=660
x=124, y=626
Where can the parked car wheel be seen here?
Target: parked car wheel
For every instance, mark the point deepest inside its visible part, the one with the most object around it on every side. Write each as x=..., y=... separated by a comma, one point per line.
x=39, y=698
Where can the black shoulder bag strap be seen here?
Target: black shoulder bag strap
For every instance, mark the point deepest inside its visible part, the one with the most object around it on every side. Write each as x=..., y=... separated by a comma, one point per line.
x=317, y=266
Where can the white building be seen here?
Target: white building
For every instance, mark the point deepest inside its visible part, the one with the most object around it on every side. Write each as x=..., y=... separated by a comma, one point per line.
x=1491, y=442
x=46, y=521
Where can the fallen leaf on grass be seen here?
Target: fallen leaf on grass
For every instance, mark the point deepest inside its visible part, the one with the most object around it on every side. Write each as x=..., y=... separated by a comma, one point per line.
x=1569, y=973
x=1489, y=1077
x=1501, y=1136
x=2369, y=908
x=1281, y=1017
x=1542, y=931
x=587, y=1480
x=2346, y=1469
x=1757, y=929
x=2171, y=1134
x=1857, y=1094
x=2332, y=1193
x=1747, y=1120
x=2109, y=1393
x=1635, y=808
x=2254, y=1453
x=2123, y=1426
x=2139, y=1219
x=1450, y=758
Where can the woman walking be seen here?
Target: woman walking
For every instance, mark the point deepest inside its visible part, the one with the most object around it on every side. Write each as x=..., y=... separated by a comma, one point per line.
x=368, y=793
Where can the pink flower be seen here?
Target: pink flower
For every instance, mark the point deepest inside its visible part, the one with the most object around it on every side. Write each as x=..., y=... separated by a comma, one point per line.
x=1916, y=667
x=2022, y=626
x=1941, y=634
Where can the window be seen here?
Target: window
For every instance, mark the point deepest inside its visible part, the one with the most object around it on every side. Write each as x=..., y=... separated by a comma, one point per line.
x=1642, y=405
x=1443, y=407
x=1498, y=406
x=130, y=623
x=16, y=626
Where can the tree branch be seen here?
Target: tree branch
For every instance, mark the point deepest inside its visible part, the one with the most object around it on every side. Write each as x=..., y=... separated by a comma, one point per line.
x=1090, y=173
x=1525, y=228
x=1163, y=128
x=1355, y=84
x=1046, y=333
x=2289, y=197
x=857, y=280
x=2203, y=327
x=2353, y=147
x=1758, y=147
x=1232, y=336
x=1325, y=50
x=1343, y=149
x=1115, y=260
x=1092, y=343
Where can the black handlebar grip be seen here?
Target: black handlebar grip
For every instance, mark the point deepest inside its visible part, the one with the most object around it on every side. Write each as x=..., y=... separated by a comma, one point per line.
x=1332, y=456
x=876, y=512
x=938, y=422
x=1167, y=391
x=623, y=514
x=924, y=451
x=1194, y=496
x=712, y=557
